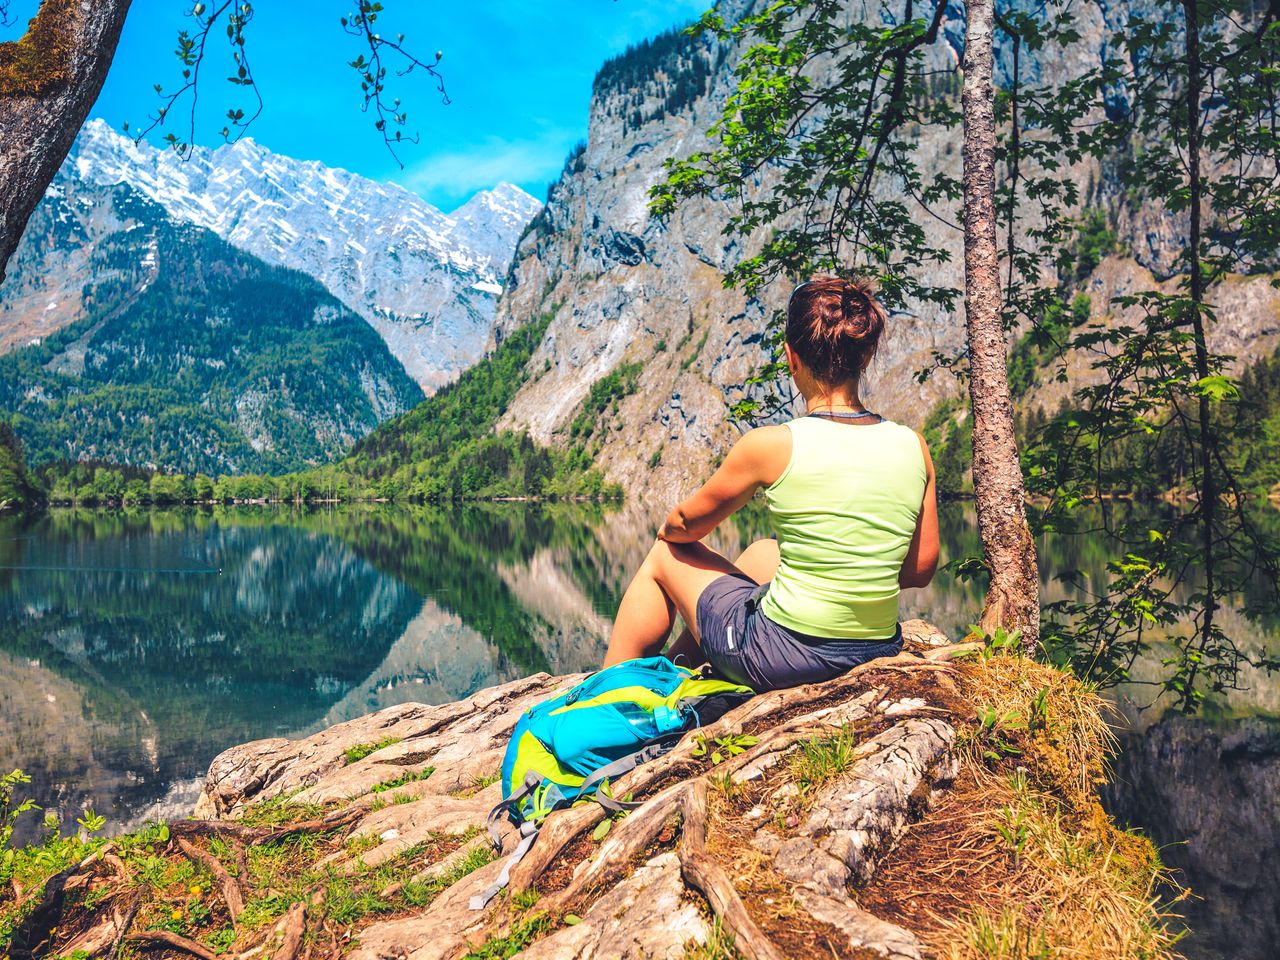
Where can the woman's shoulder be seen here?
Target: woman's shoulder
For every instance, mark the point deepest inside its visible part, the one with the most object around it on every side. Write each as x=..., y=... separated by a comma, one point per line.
x=769, y=439
x=767, y=449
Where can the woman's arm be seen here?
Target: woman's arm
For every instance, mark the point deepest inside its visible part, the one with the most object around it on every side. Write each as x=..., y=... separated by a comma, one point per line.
x=921, y=561
x=755, y=461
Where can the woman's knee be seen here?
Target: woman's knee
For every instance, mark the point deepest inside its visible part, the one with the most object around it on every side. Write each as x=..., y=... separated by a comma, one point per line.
x=760, y=560
x=666, y=559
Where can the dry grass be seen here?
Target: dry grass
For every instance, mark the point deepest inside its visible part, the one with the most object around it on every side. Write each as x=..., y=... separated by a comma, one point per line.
x=1019, y=861
x=1058, y=723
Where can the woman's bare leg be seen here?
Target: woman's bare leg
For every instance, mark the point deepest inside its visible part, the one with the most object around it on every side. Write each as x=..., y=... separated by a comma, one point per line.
x=670, y=580
x=759, y=562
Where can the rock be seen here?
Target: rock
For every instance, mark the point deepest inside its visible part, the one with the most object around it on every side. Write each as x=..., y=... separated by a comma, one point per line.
x=858, y=815
x=865, y=932
x=660, y=920
x=625, y=287
x=316, y=768
x=850, y=820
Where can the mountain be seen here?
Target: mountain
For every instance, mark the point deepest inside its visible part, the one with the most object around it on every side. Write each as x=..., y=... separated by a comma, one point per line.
x=427, y=282
x=640, y=300
x=182, y=351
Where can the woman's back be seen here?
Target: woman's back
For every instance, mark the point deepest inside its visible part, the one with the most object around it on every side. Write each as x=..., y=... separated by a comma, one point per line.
x=844, y=510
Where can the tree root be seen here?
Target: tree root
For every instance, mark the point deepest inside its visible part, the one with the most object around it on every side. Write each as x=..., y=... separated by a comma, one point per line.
x=171, y=941
x=231, y=891
x=293, y=927
x=626, y=840
x=229, y=829
x=703, y=872
x=643, y=854
x=849, y=698
x=129, y=914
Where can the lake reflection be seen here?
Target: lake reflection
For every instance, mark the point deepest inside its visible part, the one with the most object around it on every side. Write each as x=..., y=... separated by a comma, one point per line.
x=136, y=646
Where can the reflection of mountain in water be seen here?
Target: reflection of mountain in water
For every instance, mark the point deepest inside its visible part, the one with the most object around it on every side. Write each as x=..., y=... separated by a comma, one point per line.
x=437, y=659
x=137, y=646
x=141, y=645
x=1210, y=796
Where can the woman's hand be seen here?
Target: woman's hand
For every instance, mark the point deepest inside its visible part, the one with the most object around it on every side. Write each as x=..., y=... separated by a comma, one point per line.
x=755, y=461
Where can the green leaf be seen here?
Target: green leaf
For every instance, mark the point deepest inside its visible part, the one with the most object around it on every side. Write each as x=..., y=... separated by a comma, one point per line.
x=602, y=830
x=1217, y=387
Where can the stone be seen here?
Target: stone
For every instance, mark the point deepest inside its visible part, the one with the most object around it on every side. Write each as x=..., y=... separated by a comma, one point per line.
x=660, y=922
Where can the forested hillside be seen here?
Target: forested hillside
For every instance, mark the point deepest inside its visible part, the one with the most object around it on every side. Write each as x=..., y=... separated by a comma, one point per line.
x=196, y=356
x=447, y=446
x=16, y=486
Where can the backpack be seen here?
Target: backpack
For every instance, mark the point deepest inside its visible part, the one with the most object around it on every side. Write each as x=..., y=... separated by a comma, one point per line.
x=566, y=748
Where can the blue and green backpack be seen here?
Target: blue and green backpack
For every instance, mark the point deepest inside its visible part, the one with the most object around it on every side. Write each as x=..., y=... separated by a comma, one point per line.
x=566, y=748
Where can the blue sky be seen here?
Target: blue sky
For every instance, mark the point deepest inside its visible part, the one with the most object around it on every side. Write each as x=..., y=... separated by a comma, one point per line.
x=518, y=71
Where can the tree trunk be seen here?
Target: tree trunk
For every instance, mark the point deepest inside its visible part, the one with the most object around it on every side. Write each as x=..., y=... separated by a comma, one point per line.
x=1207, y=494
x=49, y=80
x=1010, y=552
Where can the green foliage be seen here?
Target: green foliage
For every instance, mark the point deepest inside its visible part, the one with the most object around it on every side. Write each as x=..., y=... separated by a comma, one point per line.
x=1158, y=413
x=1094, y=240
x=674, y=67
x=526, y=930
x=948, y=430
x=31, y=867
x=846, y=194
x=993, y=734
x=259, y=368
x=10, y=811
x=447, y=448
x=721, y=944
x=400, y=781
x=1045, y=340
x=819, y=759
x=16, y=486
x=362, y=750
x=602, y=402
x=730, y=745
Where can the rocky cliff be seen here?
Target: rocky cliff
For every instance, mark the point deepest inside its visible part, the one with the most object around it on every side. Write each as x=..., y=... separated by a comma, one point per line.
x=633, y=293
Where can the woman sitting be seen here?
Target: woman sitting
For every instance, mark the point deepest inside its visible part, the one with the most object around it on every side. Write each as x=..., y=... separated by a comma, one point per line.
x=851, y=499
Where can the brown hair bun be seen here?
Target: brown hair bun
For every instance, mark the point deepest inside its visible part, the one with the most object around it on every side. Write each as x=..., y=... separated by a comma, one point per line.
x=834, y=326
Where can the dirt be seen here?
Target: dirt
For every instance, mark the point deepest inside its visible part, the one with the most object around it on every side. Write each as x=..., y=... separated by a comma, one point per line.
x=947, y=862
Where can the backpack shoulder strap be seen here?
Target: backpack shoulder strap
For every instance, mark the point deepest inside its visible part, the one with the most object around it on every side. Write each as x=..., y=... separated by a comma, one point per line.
x=528, y=834
x=651, y=751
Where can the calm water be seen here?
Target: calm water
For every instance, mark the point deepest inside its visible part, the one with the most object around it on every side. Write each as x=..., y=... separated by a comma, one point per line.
x=136, y=646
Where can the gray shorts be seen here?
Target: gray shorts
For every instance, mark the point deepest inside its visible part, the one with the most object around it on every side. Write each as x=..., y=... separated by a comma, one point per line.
x=745, y=646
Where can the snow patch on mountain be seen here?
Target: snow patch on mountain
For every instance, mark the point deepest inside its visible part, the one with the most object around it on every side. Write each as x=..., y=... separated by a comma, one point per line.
x=427, y=281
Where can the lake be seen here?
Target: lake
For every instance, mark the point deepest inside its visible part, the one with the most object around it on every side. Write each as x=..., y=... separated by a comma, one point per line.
x=136, y=645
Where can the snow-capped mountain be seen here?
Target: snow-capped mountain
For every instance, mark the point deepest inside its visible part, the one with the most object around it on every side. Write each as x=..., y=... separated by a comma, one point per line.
x=425, y=280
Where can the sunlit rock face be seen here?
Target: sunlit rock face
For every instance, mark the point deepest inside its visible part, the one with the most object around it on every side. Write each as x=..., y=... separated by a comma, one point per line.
x=626, y=288
x=427, y=281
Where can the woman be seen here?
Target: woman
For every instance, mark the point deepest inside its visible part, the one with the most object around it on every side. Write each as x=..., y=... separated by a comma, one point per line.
x=851, y=498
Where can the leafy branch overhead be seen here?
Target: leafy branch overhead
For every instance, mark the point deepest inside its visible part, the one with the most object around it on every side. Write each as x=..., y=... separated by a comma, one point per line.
x=390, y=115
x=233, y=17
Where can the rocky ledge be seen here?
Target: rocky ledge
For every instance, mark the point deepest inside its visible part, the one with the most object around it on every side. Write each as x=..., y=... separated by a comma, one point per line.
x=939, y=803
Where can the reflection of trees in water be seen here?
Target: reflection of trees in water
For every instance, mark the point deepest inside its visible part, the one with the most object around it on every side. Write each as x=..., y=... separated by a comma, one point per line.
x=452, y=555
x=172, y=634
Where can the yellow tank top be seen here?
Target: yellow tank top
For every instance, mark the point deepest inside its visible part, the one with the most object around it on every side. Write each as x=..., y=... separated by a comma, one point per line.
x=844, y=512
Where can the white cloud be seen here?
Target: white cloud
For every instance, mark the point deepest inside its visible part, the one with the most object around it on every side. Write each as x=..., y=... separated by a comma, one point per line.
x=450, y=177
